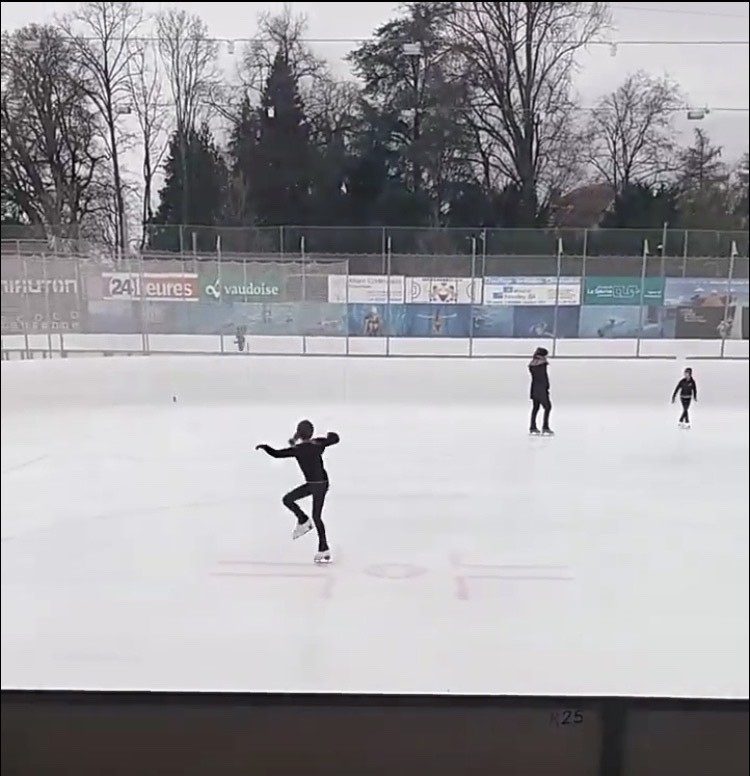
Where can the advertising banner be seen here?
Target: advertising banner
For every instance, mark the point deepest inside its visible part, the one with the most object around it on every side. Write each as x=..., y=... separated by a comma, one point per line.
x=528, y=291
x=539, y=322
x=376, y=320
x=619, y=291
x=432, y=320
x=624, y=322
x=705, y=292
x=366, y=289
x=443, y=290
x=39, y=295
x=152, y=286
x=492, y=321
x=232, y=282
x=704, y=322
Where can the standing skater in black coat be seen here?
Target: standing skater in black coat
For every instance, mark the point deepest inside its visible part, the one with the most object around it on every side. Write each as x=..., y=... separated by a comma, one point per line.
x=539, y=394
x=688, y=391
x=308, y=451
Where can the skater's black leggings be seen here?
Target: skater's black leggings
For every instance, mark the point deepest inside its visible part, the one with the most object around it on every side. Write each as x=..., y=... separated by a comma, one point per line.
x=537, y=402
x=685, y=401
x=318, y=492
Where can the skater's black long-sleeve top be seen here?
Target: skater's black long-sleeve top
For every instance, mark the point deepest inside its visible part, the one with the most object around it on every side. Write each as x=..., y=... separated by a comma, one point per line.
x=539, y=378
x=687, y=389
x=309, y=455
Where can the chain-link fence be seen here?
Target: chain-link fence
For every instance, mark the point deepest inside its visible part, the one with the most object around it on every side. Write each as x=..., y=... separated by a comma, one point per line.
x=246, y=288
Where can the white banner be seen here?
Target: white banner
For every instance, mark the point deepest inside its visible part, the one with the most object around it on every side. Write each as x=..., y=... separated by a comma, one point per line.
x=154, y=286
x=532, y=291
x=366, y=289
x=444, y=290
x=39, y=286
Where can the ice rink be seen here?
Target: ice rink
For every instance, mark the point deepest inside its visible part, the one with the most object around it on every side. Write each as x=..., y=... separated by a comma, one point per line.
x=144, y=544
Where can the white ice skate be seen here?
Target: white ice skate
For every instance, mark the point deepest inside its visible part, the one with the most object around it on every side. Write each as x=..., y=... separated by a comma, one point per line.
x=302, y=528
x=322, y=558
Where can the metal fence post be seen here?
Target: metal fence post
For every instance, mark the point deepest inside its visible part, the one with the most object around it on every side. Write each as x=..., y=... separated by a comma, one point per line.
x=585, y=251
x=304, y=292
x=383, y=250
x=389, y=319
x=347, y=344
x=556, y=316
x=684, y=253
x=79, y=278
x=473, y=299
x=26, y=305
x=46, y=304
x=142, y=305
x=641, y=298
x=732, y=256
x=219, y=282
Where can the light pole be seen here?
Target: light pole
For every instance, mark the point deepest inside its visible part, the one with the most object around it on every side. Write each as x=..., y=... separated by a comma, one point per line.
x=413, y=51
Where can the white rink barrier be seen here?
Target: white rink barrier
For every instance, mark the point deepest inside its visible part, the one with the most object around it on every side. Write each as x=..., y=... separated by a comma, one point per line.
x=66, y=344
x=302, y=382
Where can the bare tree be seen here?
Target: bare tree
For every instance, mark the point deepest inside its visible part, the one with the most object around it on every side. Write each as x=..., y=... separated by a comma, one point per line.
x=519, y=59
x=331, y=109
x=189, y=57
x=631, y=131
x=281, y=33
x=53, y=163
x=103, y=35
x=146, y=89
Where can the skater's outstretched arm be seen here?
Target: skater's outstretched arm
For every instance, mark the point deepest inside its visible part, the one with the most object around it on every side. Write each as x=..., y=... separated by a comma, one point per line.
x=287, y=452
x=676, y=391
x=331, y=438
x=695, y=391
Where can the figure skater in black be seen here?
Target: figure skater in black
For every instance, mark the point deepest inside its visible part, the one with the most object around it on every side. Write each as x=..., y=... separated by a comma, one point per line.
x=688, y=391
x=539, y=394
x=308, y=451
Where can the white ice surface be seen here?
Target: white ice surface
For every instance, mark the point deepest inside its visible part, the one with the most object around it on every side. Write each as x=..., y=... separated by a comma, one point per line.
x=144, y=545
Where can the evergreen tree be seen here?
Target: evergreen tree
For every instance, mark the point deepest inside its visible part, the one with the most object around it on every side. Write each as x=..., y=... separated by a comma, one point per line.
x=639, y=206
x=194, y=191
x=707, y=194
x=409, y=85
x=280, y=170
x=242, y=155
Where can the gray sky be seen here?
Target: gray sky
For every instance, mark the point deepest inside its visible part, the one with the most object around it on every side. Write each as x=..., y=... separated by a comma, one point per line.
x=712, y=76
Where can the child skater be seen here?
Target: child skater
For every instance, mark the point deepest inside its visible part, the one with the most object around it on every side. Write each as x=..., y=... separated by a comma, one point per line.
x=539, y=394
x=688, y=391
x=308, y=451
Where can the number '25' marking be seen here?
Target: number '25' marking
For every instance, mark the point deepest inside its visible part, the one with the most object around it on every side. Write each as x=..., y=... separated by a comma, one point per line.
x=566, y=717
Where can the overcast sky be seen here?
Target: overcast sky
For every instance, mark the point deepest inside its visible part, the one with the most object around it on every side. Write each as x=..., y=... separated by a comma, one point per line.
x=715, y=76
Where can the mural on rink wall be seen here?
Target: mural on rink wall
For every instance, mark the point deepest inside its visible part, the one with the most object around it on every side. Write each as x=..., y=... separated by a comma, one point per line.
x=321, y=300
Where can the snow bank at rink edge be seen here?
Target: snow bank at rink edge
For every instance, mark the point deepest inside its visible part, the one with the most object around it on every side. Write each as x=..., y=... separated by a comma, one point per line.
x=302, y=381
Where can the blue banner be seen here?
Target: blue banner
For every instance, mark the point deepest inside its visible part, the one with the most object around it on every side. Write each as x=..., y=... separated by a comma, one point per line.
x=705, y=292
x=376, y=320
x=438, y=320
